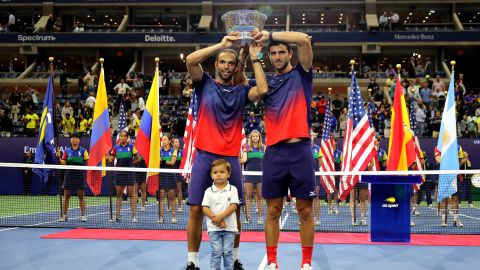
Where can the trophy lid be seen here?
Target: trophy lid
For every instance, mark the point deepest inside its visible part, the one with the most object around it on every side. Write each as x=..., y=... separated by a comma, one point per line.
x=243, y=20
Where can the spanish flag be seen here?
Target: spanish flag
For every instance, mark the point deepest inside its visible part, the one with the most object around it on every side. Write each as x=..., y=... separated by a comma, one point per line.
x=401, y=147
x=101, y=138
x=148, y=138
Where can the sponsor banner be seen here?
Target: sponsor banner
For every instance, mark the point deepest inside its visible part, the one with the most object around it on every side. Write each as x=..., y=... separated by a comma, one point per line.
x=207, y=38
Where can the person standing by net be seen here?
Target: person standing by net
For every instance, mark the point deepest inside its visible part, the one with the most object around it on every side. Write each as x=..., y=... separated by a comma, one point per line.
x=219, y=127
x=167, y=180
x=178, y=177
x=74, y=180
x=253, y=183
x=141, y=182
x=287, y=130
x=126, y=156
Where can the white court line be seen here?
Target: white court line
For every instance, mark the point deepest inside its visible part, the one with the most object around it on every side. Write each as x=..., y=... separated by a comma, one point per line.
x=463, y=215
x=264, y=260
x=52, y=211
x=8, y=229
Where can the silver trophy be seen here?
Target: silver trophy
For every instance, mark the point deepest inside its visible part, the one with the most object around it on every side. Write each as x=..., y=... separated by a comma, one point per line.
x=244, y=22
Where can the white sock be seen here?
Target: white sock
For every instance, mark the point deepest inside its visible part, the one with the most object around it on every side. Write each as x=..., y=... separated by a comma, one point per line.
x=193, y=257
x=235, y=254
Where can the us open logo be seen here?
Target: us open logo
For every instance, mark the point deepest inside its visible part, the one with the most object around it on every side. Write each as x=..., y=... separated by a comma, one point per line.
x=390, y=203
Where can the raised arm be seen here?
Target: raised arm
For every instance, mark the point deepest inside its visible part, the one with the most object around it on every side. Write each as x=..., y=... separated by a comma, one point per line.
x=305, y=53
x=261, y=88
x=194, y=59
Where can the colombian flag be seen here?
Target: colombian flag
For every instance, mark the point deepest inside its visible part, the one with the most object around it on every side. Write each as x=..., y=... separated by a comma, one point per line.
x=401, y=147
x=148, y=139
x=101, y=138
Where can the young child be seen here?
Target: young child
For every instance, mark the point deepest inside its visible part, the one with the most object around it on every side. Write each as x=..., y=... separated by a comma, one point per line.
x=219, y=204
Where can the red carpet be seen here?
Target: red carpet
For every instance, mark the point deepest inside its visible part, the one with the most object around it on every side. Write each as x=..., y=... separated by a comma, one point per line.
x=285, y=237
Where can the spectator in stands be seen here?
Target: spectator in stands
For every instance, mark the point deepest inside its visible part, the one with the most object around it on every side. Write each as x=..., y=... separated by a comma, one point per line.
x=411, y=67
x=419, y=70
x=67, y=108
x=138, y=85
x=463, y=127
x=121, y=90
x=343, y=121
x=89, y=81
x=321, y=108
x=6, y=124
x=336, y=107
x=428, y=68
x=27, y=173
x=11, y=22
x=90, y=101
x=374, y=85
x=187, y=91
x=390, y=71
x=68, y=125
x=425, y=93
x=339, y=72
x=50, y=23
x=57, y=26
x=82, y=125
x=253, y=123
x=42, y=67
x=15, y=96
x=383, y=21
x=421, y=115
x=31, y=119
x=394, y=18
x=79, y=28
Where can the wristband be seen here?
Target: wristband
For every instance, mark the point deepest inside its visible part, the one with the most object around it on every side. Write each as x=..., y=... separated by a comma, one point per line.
x=256, y=61
x=270, y=38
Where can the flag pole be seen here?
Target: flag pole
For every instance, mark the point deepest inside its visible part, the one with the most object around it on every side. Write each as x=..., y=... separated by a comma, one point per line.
x=352, y=63
x=101, y=60
x=55, y=128
x=157, y=60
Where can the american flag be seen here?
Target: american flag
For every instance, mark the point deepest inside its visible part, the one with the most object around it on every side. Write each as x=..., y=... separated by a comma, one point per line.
x=243, y=146
x=358, y=145
x=326, y=147
x=122, y=121
x=413, y=127
x=189, y=150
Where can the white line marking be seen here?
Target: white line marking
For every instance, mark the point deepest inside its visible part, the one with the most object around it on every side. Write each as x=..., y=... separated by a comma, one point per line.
x=8, y=229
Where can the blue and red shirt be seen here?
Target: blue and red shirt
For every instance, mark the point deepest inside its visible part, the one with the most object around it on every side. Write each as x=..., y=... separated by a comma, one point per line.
x=124, y=154
x=220, y=113
x=287, y=105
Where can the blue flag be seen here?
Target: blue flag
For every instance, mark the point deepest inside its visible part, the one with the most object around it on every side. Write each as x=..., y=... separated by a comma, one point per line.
x=45, y=151
x=447, y=145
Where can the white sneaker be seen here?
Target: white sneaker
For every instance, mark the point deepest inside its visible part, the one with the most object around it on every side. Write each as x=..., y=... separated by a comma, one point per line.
x=458, y=223
x=84, y=218
x=63, y=219
x=330, y=211
x=168, y=209
x=354, y=223
x=317, y=222
x=470, y=205
x=294, y=209
x=416, y=212
x=142, y=209
x=134, y=219
x=260, y=221
x=363, y=222
x=336, y=211
x=443, y=223
x=247, y=220
x=307, y=267
x=174, y=220
x=160, y=220
x=271, y=266
x=412, y=224
x=180, y=209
